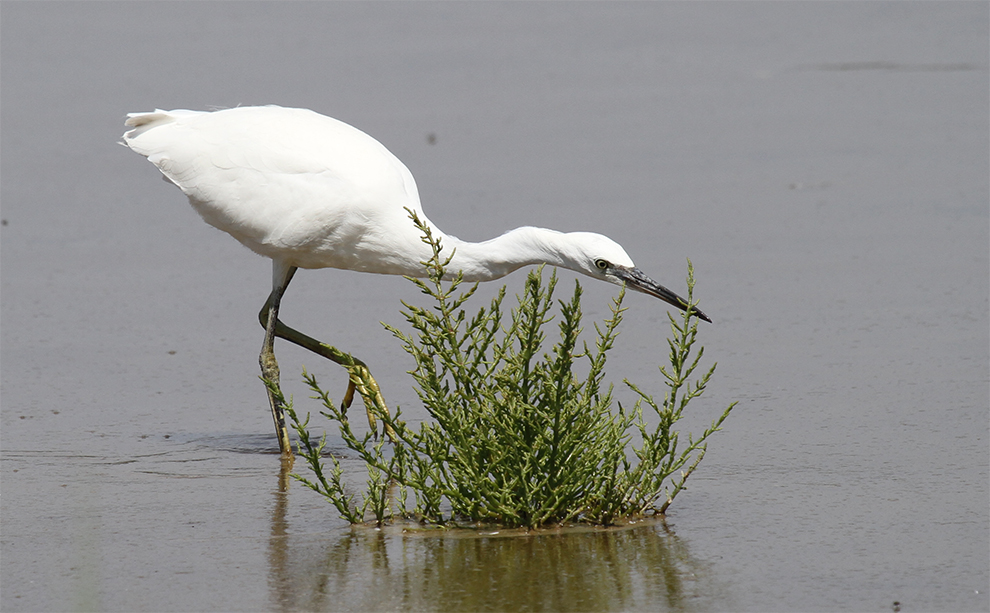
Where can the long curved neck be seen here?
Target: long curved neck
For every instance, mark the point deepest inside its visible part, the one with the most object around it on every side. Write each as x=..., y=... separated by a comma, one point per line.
x=499, y=256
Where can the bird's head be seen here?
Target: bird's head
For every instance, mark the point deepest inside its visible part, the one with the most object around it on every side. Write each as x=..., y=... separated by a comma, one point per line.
x=600, y=257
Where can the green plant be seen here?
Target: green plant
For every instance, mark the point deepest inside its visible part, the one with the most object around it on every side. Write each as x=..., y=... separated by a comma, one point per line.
x=518, y=438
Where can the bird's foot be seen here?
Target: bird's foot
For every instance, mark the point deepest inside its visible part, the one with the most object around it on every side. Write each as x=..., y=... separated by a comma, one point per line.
x=364, y=383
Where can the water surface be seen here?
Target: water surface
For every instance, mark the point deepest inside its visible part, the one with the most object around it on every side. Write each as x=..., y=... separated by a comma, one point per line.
x=824, y=165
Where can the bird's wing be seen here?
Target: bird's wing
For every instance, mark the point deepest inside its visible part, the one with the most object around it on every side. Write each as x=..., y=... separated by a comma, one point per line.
x=273, y=176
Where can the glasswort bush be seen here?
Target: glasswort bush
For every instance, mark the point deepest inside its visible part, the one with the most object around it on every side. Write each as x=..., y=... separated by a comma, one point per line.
x=517, y=438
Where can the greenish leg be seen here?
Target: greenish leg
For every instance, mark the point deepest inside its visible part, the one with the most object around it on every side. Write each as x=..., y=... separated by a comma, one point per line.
x=360, y=378
x=269, y=365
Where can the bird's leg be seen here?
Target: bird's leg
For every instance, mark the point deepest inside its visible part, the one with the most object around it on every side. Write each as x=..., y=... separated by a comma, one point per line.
x=269, y=365
x=360, y=378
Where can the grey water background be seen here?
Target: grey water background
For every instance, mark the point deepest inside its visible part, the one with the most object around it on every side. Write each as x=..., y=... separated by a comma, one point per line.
x=824, y=165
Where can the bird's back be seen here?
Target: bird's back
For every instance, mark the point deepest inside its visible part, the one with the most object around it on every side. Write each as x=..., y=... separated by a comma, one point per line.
x=290, y=184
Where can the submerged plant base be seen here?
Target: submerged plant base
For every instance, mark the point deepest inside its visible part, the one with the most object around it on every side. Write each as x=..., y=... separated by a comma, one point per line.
x=518, y=438
x=467, y=530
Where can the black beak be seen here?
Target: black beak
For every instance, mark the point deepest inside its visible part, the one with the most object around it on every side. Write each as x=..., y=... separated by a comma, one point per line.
x=636, y=279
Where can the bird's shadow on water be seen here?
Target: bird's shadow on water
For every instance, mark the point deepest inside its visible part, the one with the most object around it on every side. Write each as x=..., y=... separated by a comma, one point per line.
x=256, y=444
x=207, y=455
x=643, y=566
x=212, y=455
x=236, y=443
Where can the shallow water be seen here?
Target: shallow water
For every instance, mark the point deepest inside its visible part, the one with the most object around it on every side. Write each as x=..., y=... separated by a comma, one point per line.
x=824, y=165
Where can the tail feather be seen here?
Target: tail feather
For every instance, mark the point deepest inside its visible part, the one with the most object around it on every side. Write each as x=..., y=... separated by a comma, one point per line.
x=136, y=120
x=142, y=122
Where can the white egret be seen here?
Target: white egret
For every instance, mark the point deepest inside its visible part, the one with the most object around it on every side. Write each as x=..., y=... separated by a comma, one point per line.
x=309, y=191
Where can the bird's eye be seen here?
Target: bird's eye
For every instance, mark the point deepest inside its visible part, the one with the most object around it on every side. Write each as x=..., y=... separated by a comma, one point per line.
x=601, y=264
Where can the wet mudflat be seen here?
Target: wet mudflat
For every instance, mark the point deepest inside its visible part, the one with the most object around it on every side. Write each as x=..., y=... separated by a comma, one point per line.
x=823, y=165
